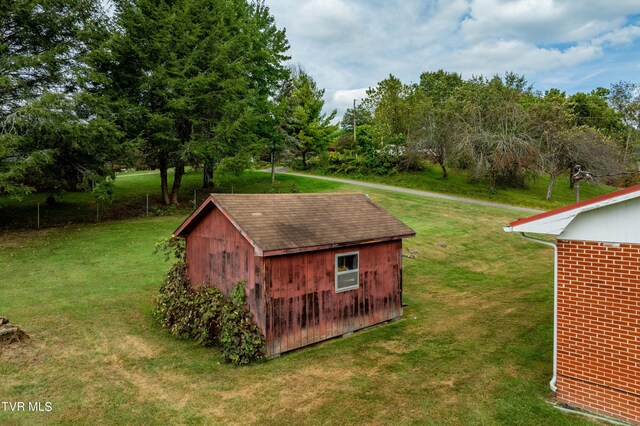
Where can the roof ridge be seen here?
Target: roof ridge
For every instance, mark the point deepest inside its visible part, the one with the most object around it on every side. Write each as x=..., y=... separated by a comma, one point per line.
x=276, y=223
x=291, y=193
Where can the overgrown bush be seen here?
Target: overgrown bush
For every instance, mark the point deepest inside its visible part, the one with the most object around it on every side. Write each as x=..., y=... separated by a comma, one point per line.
x=240, y=339
x=379, y=163
x=173, y=305
x=203, y=313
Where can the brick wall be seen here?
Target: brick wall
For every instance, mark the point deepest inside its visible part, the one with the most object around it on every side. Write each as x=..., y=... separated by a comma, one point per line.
x=599, y=327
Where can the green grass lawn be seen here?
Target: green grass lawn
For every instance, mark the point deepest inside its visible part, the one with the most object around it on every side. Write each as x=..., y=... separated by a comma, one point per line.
x=458, y=183
x=129, y=199
x=474, y=345
x=131, y=189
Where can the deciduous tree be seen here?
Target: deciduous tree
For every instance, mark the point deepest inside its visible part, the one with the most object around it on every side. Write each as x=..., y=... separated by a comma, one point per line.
x=441, y=128
x=551, y=124
x=495, y=135
x=624, y=97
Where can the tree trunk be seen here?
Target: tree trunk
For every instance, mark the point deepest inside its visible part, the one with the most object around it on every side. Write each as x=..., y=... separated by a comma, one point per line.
x=626, y=148
x=207, y=175
x=273, y=168
x=571, y=180
x=552, y=177
x=177, y=180
x=304, y=160
x=164, y=184
x=445, y=175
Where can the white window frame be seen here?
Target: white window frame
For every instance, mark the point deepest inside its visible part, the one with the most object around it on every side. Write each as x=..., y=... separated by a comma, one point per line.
x=338, y=273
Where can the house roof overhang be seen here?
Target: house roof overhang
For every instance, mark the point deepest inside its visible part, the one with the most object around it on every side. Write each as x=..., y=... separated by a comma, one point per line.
x=554, y=222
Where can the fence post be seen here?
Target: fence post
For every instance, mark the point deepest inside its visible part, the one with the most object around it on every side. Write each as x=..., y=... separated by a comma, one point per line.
x=147, y=204
x=38, y=215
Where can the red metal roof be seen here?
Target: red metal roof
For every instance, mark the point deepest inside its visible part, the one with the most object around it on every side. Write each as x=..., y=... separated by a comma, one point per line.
x=576, y=206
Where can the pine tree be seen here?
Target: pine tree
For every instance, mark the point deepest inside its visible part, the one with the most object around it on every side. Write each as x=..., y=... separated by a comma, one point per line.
x=191, y=81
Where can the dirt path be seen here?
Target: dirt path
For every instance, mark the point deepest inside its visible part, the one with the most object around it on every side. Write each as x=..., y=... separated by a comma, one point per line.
x=410, y=191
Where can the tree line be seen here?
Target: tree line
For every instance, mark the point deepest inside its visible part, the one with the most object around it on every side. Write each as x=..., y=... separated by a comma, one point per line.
x=165, y=83
x=170, y=84
x=499, y=129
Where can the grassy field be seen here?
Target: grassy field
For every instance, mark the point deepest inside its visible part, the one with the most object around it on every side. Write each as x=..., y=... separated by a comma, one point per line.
x=129, y=199
x=458, y=183
x=131, y=189
x=474, y=346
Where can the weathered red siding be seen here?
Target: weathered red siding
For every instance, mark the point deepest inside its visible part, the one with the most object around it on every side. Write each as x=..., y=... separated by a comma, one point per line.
x=218, y=255
x=599, y=327
x=303, y=307
x=292, y=296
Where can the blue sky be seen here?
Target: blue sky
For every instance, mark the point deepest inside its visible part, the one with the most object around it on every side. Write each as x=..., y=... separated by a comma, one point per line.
x=350, y=45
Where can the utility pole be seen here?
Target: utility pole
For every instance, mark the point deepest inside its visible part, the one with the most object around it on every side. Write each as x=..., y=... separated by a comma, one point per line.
x=355, y=141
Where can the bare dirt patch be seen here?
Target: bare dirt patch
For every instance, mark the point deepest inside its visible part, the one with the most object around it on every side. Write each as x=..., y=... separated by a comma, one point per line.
x=164, y=386
x=137, y=347
x=299, y=393
x=19, y=239
x=395, y=347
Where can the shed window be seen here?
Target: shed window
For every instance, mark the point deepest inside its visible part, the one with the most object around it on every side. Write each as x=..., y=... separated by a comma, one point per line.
x=346, y=271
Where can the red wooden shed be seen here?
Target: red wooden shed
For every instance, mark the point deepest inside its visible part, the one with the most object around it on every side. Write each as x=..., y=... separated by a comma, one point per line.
x=316, y=266
x=597, y=301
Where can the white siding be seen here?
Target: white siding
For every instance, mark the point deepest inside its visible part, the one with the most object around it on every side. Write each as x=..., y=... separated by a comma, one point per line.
x=617, y=223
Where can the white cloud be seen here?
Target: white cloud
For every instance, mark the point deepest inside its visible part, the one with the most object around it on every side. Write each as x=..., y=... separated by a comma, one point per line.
x=348, y=45
x=521, y=57
x=343, y=99
x=542, y=21
x=623, y=35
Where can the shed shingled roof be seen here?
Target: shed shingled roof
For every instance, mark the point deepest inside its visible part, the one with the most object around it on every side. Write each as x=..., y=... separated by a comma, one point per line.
x=302, y=222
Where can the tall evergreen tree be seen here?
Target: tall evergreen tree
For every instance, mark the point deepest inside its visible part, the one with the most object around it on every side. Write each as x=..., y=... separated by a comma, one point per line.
x=46, y=133
x=307, y=129
x=191, y=80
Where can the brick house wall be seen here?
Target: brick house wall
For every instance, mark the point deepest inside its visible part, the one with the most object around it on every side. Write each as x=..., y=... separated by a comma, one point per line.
x=598, y=360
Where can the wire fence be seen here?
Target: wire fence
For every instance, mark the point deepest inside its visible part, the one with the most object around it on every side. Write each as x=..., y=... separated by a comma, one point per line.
x=42, y=211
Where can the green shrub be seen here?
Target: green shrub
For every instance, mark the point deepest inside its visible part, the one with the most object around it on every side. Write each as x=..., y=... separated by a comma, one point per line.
x=240, y=338
x=206, y=309
x=378, y=163
x=172, y=247
x=203, y=314
x=174, y=304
